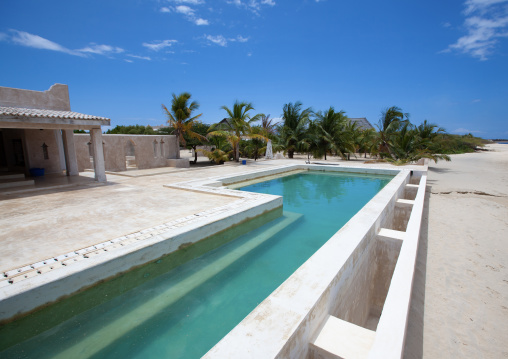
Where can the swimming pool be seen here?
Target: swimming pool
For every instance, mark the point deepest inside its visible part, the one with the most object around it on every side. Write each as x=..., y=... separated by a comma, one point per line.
x=184, y=312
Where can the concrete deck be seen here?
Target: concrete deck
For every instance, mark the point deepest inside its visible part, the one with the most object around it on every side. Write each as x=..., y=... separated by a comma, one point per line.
x=39, y=223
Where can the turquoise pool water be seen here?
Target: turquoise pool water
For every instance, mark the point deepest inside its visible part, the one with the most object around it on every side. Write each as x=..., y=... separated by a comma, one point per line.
x=186, y=311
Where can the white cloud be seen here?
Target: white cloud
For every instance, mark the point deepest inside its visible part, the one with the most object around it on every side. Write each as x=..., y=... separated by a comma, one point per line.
x=101, y=49
x=188, y=12
x=30, y=40
x=192, y=2
x=217, y=40
x=474, y=5
x=252, y=5
x=486, y=22
x=127, y=60
x=239, y=38
x=3, y=36
x=140, y=57
x=184, y=9
x=37, y=42
x=201, y=21
x=476, y=100
x=159, y=45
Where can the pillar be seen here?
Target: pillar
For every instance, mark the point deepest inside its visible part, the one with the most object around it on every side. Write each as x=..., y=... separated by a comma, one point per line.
x=71, y=161
x=98, y=155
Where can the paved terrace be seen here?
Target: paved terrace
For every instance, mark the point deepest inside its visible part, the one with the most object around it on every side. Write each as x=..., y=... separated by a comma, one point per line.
x=40, y=224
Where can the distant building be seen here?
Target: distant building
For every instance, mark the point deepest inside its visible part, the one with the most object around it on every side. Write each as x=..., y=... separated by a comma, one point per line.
x=157, y=128
x=362, y=122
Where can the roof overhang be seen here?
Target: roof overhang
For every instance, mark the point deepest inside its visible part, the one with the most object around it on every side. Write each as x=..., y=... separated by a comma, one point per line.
x=14, y=117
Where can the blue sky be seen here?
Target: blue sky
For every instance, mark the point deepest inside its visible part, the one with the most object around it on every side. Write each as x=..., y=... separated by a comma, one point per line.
x=443, y=61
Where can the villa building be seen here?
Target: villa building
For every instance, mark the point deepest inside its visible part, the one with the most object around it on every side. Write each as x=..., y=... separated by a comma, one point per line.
x=37, y=132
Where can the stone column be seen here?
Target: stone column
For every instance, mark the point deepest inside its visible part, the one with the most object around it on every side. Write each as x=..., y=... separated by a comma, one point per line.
x=98, y=155
x=71, y=161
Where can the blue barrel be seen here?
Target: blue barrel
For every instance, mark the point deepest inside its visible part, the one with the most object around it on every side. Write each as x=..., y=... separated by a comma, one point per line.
x=244, y=162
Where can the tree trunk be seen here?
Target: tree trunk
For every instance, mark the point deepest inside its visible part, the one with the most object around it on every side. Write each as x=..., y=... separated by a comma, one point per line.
x=237, y=152
x=290, y=153
x=177, y=142
x=195, y=154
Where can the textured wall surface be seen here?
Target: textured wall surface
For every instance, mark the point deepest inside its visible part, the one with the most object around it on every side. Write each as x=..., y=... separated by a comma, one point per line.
x=144, y=151
x=56, y=98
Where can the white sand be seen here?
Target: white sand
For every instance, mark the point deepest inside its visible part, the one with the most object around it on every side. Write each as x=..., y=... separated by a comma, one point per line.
x=460, y=296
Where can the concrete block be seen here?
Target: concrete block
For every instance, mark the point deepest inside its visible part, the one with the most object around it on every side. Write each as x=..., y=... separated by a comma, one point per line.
x=179, y=163
x=341, y=339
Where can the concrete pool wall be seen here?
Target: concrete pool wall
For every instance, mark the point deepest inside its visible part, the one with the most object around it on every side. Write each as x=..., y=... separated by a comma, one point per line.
x=331, y=305
x=351, y=298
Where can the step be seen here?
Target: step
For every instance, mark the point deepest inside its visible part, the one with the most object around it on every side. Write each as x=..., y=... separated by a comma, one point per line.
x=98, y=340
x=15, y=183
x=12, y=176
x=340, y=339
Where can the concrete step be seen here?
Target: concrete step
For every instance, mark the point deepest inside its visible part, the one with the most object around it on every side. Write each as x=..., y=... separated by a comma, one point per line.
x=11, y=176
x=183, y=284
x=10, y=183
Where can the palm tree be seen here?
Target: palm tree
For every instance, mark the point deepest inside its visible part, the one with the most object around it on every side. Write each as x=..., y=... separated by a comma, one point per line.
x=369, y=142
x=351, y=138
x=408, y=146
x=217, y=156
x=236, y=126
x=391, y=120
x=179, y=118
x=329, y=127
x=294, y=127
x=267, y=124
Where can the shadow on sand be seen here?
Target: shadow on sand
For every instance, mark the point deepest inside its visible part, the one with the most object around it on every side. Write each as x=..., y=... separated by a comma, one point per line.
x=439, y=169
x=414, y=336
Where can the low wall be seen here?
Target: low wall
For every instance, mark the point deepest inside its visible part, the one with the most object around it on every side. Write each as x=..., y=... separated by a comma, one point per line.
x=140, y=151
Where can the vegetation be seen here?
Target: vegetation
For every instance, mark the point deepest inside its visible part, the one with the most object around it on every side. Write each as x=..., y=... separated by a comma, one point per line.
x=192, y=142
x=237, y=126
x=217, y=156
x=300, y=130
x=293, y=131
x=179, y=118
x=131, y=130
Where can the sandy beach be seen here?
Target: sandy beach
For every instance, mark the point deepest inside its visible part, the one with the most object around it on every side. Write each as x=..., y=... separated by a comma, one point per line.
x=460, y=296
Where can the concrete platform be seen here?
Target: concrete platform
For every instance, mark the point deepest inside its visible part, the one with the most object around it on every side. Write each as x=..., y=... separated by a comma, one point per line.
x=71, y=213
